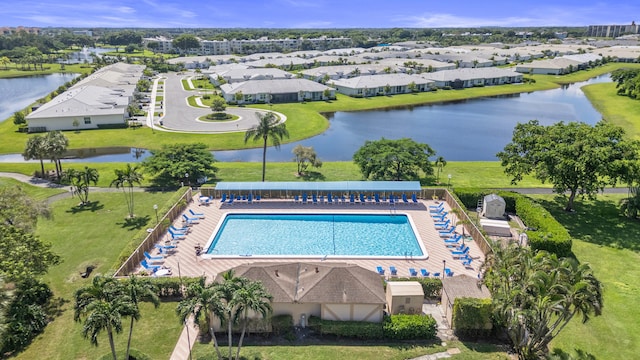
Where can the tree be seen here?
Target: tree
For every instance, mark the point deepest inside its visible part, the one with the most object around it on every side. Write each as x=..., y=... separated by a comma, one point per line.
x=218, y=105
x=574, y=157
x=138, y=290
x=440, y=164
x=305, y=156
x=401, y=159
x=269, y=128
x=185, y=42
x=23, y=254
x=20, y=210
x=254, y=298
x=56, y=145
x=228, y=288
x=535, y=295
x=412, y=87
x=171, y=163
x=127, y=177
x=102, y=306
x=5, y=298
x=36, y=149
x=19, y=118
x=80, y=180
x=203, y=301
x=5, y=61
x=238, y=97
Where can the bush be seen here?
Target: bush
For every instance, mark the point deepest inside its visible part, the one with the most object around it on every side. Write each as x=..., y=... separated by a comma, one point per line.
x=352, y=329
x=282, y=325
x=170, y=287
x=472, y=317
x=409, y=327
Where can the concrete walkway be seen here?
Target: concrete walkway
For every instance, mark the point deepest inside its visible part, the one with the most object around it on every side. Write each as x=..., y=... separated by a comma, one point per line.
x=187, y=338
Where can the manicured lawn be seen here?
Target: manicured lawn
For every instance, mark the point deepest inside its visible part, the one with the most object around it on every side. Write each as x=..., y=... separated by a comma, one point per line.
x=96, y=236
x=34, y=192
x=618, y=110
x=12, y=72
x=609, y=243
x=355, y=350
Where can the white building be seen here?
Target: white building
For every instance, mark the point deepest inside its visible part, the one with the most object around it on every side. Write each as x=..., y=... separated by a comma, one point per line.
x=384, y=84
x=276, y=91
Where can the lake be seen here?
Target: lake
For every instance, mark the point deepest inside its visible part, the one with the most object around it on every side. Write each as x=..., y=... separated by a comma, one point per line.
x=18, y=93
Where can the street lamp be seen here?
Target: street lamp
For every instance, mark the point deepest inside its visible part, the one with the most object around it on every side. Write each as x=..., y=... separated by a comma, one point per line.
x=155, y=207
x=444, y=267
x=449, y=183
x=186, y=177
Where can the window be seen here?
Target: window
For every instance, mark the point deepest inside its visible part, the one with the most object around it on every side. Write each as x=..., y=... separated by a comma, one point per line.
x=87, y=120
x=407, y=300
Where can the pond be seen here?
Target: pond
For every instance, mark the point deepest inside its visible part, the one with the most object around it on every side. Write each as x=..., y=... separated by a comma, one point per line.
x=18, y=93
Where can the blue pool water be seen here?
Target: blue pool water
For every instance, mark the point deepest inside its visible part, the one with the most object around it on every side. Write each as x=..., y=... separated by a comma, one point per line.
x=315, y=235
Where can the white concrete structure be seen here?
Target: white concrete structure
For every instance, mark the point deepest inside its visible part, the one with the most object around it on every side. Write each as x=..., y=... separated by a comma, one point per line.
x=239, y=75
x=404, y=297
x=384, y=84
x=276, y=91
x=493, y=206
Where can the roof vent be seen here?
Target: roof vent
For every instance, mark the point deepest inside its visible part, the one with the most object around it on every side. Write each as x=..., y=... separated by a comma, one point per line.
x=277, y=273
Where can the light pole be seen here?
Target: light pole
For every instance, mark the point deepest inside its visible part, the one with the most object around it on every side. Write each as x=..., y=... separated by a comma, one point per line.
x=186, y=177
x=449, y=182
x=444, y=267
x=155, y=207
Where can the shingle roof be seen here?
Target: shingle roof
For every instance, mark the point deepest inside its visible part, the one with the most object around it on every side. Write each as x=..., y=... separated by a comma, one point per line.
x=464, y=286
x=334, y=283
x=275, y=86
x=373, y=81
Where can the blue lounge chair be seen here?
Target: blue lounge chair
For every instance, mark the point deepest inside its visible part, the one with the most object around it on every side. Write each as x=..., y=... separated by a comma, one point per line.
x=436, y=274
x=314, y=198
x=223, y=198
x=414, y=198
x=149, y=267
x=391, y=201
x=329, y=199
x=153, y=259
x=424, y=272
x=296, y=199
x=404, y=198
x=448, y=272
x=167, y=250
x=258, y=198
x=440, y=217
x=190, y=220
x=413, y=272
x=464, y=251
x=352, y=199
x=393, y=270
x=376, y=196
x=196, y=215
x=321, y=199
x=176, y=236
x=250, y=198
x=380, y=270
x=182, y=230
x=369, y=199
x=466, y=262
x=448, y=232
x=230, y=200
x=362, y=199
x=343, y=200
x=304, y=198
x=443, y=225
x=453, y=240
x=438, y=207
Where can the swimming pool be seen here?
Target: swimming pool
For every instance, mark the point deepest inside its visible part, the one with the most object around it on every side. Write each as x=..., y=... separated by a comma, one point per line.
x=316, y=235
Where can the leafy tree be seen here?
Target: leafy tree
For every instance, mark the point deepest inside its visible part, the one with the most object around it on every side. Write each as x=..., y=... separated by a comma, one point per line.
x=412, y=87
x=401, y=159
x=535, y=295
x=254, y=298
x=5, y=298
x=269, y=128
x=203, y=301
x=238, y=96
x=19, y=209
x=138, y=290
x=81, y=180
x=218, y=105
x=23, y=255
x=102, y=306
x=440, y=164
x=305, y=156
x=574, y=157
x=19, y=118
x=185, y=42
x=56, y=145
x=170, y=164
x=36, y=149
x=127, y=177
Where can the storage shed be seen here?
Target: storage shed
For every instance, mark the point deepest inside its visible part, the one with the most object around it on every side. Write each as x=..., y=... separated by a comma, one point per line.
x=496, y=227
x=462, y=286
x=404, y=297
x=493, y=206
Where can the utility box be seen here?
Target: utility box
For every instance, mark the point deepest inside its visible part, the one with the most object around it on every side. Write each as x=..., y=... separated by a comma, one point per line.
x=493, y=207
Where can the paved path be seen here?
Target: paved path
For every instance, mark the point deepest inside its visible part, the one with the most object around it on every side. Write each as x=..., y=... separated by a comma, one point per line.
x=187, y=338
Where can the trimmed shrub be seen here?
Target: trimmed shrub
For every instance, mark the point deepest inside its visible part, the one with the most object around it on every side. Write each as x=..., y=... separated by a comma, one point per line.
x=282, y=325
x=472, y=317
x=351, y=329
x=409, y=327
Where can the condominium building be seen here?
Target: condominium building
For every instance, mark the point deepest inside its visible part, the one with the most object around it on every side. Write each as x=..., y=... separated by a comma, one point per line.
x=613, y=30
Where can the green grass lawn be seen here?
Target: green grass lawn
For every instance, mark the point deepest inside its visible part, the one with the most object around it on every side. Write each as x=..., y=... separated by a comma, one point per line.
x=96, y=236
x=609, y=243
x=12, y=72
x=618, y=110
x=35, y=192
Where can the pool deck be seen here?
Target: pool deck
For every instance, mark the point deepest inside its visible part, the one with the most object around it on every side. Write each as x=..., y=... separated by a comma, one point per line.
x=184, y=261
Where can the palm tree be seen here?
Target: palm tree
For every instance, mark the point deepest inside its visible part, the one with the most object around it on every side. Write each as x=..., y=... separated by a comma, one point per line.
x=269, y=127
x=230, y=285
x=440, y=164
x=128, y=176
x=206, y=301
x=36, y=149
x=102, y=306
x=252, y=297
x=81, y=179
x=56, y=144
x=139, y=291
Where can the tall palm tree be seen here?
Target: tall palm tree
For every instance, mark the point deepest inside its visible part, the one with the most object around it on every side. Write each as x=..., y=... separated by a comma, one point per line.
x=269, y=127
x=228, y=288
x=440, y=164
x=128, y=177
x=36, y=149
x=138, y=290
x=56, y=145
x=102, y=306
x=81, y=179
x=254, y=298
x=203, y=301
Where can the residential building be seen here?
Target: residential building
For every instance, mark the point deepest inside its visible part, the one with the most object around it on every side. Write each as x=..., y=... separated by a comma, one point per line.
x=276, y=91
x=470, y=77
x=239, y=75
x=613, y=30
x=383, y=84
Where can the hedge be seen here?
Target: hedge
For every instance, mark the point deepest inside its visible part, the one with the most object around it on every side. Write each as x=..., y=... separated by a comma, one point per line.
x=472, y=317
x=409, y=327
x=352, y=329
x=432, y=287
x=544, y=231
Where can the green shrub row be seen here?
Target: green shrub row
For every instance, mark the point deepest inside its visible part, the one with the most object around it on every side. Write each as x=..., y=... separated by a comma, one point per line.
x=409, y=327
x=472, y=317
x=351, y=329
x=432, y=287
x=133, y=244
x=544, y=231
x=170, y=287
x=282, y=325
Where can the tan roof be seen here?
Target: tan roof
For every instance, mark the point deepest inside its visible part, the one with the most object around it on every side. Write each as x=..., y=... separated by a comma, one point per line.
x=405, y=288
x=314, y=282
x=464, y=286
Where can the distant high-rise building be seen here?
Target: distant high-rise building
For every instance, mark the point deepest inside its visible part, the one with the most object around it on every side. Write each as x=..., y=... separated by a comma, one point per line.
x=613, y=30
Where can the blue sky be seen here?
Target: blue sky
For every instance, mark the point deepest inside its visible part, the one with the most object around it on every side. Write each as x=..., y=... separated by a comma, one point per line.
x=315, y=13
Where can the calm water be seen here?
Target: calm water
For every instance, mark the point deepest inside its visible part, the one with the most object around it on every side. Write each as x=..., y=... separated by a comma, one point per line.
x=18, y=93
x=315, y=235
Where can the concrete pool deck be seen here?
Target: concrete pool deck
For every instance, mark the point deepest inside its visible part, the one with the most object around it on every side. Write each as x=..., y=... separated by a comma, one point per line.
x=185, y=262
